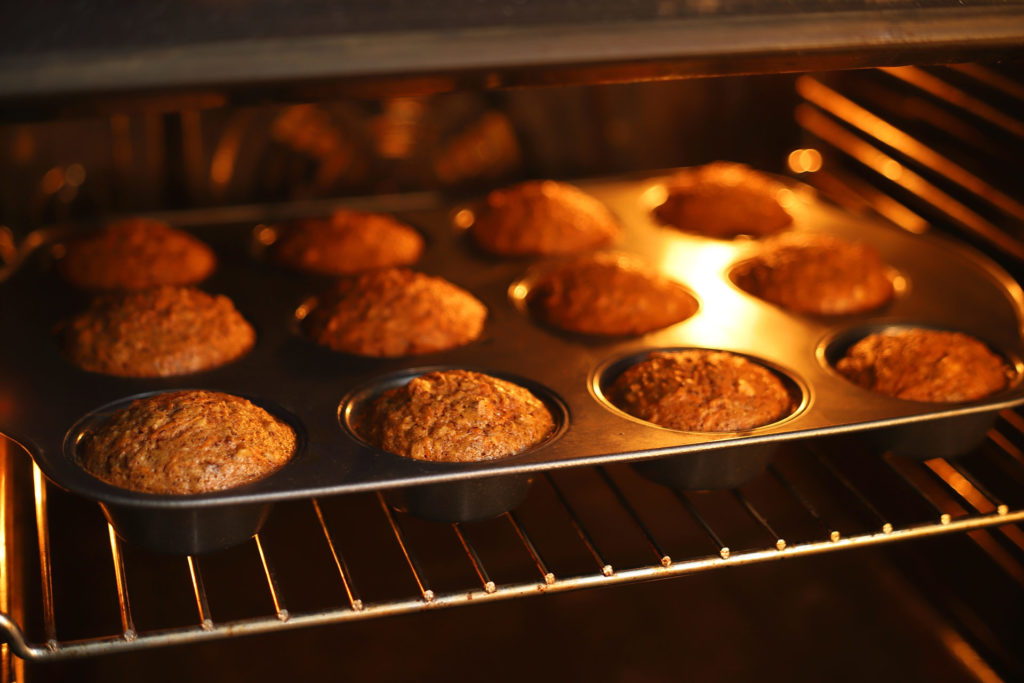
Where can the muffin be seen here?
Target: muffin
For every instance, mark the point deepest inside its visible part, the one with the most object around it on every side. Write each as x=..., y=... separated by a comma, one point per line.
x=186, y=442
x=702, y=391
x=542, y=217
x=925, y=365
x=157, y=332
x=134, y=254
x=608, y=295
x=395, y=312
x=456, y=416
x=818, y=274
x=723, y=200
x=348, y=242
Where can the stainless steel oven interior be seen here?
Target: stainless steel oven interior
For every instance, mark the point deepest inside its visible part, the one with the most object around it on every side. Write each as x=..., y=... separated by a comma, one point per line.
x=839, y=561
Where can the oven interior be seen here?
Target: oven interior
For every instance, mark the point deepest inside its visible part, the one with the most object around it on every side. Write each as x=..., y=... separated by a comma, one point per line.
x=838, y=561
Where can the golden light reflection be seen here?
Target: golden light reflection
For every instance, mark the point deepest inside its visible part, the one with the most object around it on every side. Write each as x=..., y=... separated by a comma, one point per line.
x=654, y=196
x=266, y=235
x=804, y=160
x=464, y=218
x=786, y=198
x=892, y=169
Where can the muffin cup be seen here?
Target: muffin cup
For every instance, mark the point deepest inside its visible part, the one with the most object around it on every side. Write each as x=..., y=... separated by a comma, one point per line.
x=469, y=500
x=721, y=468
x=460, y=500
x=941, y=436
x=186, y=531
x=186, y=524
x=709, y=468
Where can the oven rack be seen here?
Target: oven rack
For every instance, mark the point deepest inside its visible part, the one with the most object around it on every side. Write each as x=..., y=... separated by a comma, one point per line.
x=820, y=496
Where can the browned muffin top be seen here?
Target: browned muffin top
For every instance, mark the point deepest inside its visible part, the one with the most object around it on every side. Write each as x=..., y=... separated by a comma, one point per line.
x=818, y=274
x=608, y=295
x=542, y=217
x=395, y=312
x=134, y=254
x=187, y=442
x=925, y=365
x=700, y=390
x=157, y=332
x=723, y=200
x=457, y=416
x=348, y=242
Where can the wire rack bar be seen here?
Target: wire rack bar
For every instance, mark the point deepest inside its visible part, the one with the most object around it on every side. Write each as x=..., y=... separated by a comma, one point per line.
x=193, y=634
x=339, y=562
x=886, y=526
x=123, y=600
x=524, y=538
x=577, y=524
x=780, y=543
x=474, y=559
x=832, y=533
x=427, y=594
x=45, y=567
x=199, y=590
x=659, y=552
x=722, y=548
x=899, y=469
x=275, y=591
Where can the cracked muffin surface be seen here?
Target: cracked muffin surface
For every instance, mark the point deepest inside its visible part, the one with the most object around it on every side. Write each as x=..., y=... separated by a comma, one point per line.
x=818, y=274
x=456, y=416
x=921, y=364
x=157, y=332
x=395, y=312
x=701, y=390
x=348, y=242
x=607, y=295
x=187, y=442
x=723, y=200
x=542, y=217
x=136, y=253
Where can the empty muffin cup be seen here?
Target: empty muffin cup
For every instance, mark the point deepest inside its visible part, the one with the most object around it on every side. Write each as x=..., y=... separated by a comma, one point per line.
x=937, y=368
x=651, y=387
x=419, y=416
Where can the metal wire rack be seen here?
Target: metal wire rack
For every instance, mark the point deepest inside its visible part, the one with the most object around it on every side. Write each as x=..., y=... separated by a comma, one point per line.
x=579, y=529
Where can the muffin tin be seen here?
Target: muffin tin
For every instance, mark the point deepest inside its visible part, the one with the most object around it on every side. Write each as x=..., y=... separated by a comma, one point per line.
x=45, y=402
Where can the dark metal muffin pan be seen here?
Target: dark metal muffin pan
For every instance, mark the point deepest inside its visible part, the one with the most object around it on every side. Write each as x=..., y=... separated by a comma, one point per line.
x=42, y=396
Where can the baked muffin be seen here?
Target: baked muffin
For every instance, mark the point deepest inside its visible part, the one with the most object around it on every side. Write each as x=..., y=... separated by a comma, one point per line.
x=925, y=365
x=134, y=254
x=542, y=217
x=723, y=200
x=456, y=416
x=818, y=274
x=608, y=295
x=157, y=332
x=702, y=391
x=348, y=242
x=395, y=312
x=186, y=442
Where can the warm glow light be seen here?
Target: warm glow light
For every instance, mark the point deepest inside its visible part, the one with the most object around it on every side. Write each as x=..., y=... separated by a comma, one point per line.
x=74, y=175
x=654, y=196
x=266, y=235
x=804, y=160
x=892, y=169
x=53, y=180
x=464, y=218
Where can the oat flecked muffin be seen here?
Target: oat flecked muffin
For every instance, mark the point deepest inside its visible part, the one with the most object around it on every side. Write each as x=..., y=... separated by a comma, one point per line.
x=348, y=242
x=702, y=391
x=723, y=200
x=187, y=442
x=134, y=254
x=925, y=365
x=157, y=332
x=542, y=217
x=818, y=274
x=395, y=312
x=608, y=295
x=457, y=416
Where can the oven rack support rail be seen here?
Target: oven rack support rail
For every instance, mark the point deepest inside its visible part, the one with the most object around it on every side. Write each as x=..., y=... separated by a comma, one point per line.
x=958, y=499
